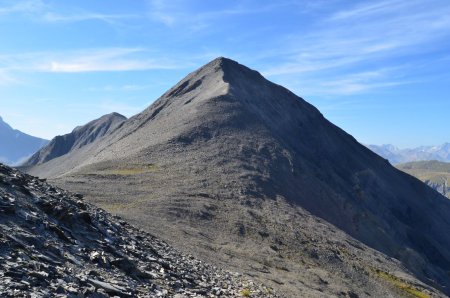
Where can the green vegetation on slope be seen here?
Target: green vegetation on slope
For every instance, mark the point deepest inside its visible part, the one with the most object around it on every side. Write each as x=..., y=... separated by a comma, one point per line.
x=430, y=165
x=121, y=170
x=132, y=170
x=406, y=289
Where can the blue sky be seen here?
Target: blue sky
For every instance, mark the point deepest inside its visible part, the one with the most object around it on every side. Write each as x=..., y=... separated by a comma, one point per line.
x=378, y=69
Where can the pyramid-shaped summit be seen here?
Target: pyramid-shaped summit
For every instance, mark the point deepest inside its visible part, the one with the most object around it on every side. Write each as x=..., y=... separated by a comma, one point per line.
x=231, y=157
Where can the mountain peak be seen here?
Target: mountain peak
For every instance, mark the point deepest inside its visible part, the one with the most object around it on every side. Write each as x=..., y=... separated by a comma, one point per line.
x=216, y=78
x=4, y=125
x=222, y=60
x=79, y=137
x=16, y=145
x=233, y=69
x=227, y=64
x=114, y=115
x=227, y=153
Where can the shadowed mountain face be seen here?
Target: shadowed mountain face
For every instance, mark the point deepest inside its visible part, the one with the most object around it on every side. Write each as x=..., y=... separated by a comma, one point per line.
x=78, y=138
x=15, y=145
x=236, y=168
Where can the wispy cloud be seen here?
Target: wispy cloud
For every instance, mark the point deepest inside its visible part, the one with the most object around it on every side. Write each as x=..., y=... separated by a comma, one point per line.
x=46, y=13
x=21, y=6
x=348, y=84
x=361, y=38
x=351, y=85
x=86, y=16
x=369, y=9
x=6, y=78
x=115, y=59
x=88, y=60
x=180, y=13
x=126, y=88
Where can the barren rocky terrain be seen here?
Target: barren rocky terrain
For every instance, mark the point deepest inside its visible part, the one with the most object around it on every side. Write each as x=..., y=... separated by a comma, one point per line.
x=243, y=173
x=54, y=244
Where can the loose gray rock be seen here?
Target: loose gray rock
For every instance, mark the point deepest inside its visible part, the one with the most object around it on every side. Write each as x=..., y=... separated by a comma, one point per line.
x=64, y=247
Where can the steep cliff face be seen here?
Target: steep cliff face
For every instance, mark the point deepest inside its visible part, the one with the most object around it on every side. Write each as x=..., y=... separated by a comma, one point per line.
x=441, y=186
x=236, y=168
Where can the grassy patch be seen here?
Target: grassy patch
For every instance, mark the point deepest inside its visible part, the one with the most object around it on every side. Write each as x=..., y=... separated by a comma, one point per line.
x=434, y=171
x=407, y=289
x=246, y=293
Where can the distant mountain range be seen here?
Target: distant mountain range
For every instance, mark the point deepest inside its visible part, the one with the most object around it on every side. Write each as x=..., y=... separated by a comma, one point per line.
x=242, y=172
x=16, y=146
x=396, y=155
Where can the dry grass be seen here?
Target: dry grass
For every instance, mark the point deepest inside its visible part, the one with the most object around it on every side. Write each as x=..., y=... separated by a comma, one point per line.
x=407, y=289
x=246, y=293
x=121, y=207
x=130, y=170
x=433, y=171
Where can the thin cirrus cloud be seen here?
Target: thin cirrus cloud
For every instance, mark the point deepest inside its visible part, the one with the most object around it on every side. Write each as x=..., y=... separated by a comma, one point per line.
x=109, y=60
x=122, y=88
x=349, y=84
x=21, y=6
x=178, y=13
x=349, y=42
x=6, y=78
x=357, y=39
x=360, y=82
x=86, y=64
x=86, y=16
x=44, y=12
x=92, y=60
x=380, y=7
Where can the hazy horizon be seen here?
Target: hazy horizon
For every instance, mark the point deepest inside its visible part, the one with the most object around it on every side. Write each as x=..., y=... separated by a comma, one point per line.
x=377, y=69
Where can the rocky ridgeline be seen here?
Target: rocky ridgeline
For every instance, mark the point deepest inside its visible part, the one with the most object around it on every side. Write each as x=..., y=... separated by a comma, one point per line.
x=53, y=244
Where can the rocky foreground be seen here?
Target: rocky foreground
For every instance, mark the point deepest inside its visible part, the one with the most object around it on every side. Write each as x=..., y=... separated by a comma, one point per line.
x=53, y=244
